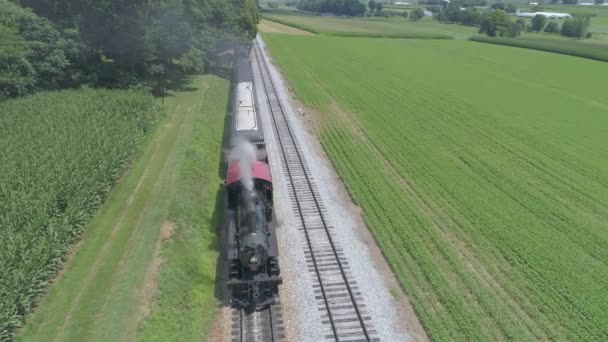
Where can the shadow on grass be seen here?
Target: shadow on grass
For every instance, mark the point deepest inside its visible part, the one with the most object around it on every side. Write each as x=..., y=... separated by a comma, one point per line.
x=219, y=214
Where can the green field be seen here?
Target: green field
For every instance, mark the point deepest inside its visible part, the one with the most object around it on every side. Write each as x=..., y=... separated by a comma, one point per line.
x=145, y=268
x=482, y=172
x=61, y=154
x=392, y=26
x=425, y=28
x=567, y=47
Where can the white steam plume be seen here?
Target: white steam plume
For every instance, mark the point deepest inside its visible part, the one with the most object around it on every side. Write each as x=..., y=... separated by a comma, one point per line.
x=244, y=153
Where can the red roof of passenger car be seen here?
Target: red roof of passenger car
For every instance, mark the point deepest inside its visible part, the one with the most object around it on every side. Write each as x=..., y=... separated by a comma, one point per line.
x=259, y=170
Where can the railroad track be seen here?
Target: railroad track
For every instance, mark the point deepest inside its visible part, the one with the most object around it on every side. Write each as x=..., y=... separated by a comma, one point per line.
x=343, y=314
x=264, y=326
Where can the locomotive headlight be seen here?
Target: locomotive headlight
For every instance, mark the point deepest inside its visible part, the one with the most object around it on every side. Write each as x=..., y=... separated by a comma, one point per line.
x=253, y=260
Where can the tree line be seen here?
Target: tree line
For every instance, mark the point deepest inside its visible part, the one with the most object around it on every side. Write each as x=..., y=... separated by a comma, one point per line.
x=50, y=44
x=498, y=21
x=338, y=7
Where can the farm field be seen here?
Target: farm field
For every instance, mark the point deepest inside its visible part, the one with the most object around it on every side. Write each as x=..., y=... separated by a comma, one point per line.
x=482, y=173
x=268, y=26
x=151, y=246
x=61, y=154
x=392, y=26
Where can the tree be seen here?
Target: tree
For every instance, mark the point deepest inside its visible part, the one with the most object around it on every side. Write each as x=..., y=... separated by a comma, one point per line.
x=522, y=23
x=116, y=42
x=552, y=27
x=273, y=4
x=497, y=23
x=404, y=14
x=32, y=52
x=569, y=2
x=379, y=7
x=510, y=8
x=338, y=7
x=470, y=17
x=513, y=30
x=575, y=27
x=452, y=12
x=538, y=23
x=372, y=6
x=553, y=2
x=599, y=2
x=416, y=14
x=498, y=5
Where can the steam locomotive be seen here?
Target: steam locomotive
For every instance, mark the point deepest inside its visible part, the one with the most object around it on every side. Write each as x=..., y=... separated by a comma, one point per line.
x=252, y=251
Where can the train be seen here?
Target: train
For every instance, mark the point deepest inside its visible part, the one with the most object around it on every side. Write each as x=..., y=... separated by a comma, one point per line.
x=252, y=252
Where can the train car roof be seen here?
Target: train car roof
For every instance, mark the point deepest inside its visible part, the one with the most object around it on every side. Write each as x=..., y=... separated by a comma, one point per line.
x=259, y=170
x=243, y=70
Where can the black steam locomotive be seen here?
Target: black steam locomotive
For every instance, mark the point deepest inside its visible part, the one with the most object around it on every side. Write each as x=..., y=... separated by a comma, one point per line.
x=252, y=246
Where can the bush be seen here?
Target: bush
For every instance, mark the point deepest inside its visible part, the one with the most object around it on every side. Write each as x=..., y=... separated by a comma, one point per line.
x=416, y=14
x=552, y=27
x=575, y=27
x=404, y=14
x=498, y=23
x=538, y=23
x=273, y=4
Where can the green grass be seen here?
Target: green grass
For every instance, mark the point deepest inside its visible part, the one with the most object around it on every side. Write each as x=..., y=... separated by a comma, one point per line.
x=397, y=27
x=482, y=172
x=103, y=293
x=61, y=154
x=570, y=47
x=188, y=274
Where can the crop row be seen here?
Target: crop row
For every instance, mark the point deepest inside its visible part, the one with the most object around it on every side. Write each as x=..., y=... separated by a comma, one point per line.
x=61, y=154
x=574, y=48
x=485, y=185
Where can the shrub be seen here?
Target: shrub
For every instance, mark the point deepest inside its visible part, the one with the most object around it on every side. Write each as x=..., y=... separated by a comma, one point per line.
x=552, y=27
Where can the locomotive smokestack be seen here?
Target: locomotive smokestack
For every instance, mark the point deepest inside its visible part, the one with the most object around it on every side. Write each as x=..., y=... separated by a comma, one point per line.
x=245, y=154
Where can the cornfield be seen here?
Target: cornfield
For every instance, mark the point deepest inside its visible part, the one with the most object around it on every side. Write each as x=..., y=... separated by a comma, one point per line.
x=61, y=154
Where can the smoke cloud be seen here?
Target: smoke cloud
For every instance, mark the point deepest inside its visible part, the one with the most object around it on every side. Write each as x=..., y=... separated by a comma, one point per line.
x=244, y=153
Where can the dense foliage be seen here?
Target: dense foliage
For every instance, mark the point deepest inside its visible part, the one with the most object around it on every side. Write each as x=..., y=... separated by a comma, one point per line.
x=338, y=7
x=575, y=27
x=498, y=23
x=552, y=27
x=33, y=52
x=61, y=154
x=463, y=3
x=538, y=23
x=113, y=42
x=493, y=22
x=573, y=48
x=485, y=181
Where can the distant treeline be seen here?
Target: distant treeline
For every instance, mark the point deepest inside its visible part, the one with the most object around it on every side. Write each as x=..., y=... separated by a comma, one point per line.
x=61, y=43
x=338, y=7
x=465, y=3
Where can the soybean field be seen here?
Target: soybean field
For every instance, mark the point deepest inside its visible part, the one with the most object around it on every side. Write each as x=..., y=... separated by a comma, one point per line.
x=482, y=172
x=61, y=154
